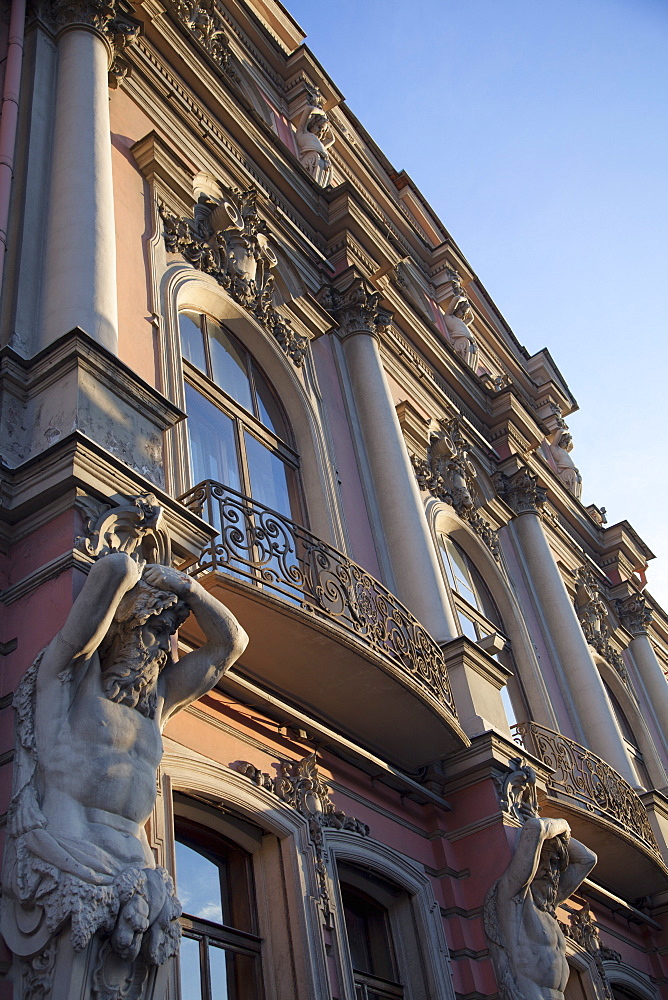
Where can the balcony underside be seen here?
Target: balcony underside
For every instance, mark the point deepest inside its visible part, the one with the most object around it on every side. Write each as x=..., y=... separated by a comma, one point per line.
x=327, y=671
x=626, y=866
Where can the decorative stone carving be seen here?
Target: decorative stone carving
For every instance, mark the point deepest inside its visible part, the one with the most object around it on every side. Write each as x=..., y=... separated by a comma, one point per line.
x=357, y=309
x=134, y=527
x=314, y=138
x=583, y=929
x=122, y=31
x=459, y=316
x=634, y=614
x=205, y=22
x=228, y=240
x=96, y=14
x=560, y=443
x=449, y=475
x=526, y=943
x=593, y=615
x=301, y=787
x=89, y=714
x=522, y=492
x=517, y=790
x=37, y=973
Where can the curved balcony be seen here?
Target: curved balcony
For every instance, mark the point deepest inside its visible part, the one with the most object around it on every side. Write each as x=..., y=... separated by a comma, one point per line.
x=603, y=810
x=324, y=633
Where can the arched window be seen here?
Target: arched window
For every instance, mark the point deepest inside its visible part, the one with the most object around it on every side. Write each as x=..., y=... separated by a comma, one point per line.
x=238, y=435
x=479, y=617
x=367, y=902
x=220, y=950
x=630, y=741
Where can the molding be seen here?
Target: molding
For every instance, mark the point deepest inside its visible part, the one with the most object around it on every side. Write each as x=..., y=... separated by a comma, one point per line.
x=48, y=571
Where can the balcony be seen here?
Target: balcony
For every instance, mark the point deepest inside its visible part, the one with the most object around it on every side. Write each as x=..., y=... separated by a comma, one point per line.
x=603, y=810
x=325, y=634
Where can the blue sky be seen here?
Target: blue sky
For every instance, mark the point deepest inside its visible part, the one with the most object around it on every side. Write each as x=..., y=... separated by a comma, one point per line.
x=537, y=131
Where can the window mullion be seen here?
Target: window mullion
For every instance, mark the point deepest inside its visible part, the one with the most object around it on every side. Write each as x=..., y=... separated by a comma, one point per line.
x=205, y=972
x=207, y=352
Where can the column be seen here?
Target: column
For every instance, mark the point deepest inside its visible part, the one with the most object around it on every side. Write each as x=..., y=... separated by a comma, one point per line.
x=418, y=575
x=525, y=497
x=80, y=259
x=636, y=617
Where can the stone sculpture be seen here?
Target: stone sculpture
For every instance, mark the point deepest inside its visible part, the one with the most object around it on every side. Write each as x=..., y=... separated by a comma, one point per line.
x=78, y=869
x=458, y=318
x=314, y=137
x=527, y=944
x=561, y=446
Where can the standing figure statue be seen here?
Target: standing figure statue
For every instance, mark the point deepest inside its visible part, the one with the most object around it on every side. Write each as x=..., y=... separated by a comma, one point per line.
x=90, y=713
x=527, y=945
x=561, y=446
x=314, y=137
x=458, y=318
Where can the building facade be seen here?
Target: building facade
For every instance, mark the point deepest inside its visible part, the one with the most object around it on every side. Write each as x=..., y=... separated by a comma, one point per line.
x=232, y=330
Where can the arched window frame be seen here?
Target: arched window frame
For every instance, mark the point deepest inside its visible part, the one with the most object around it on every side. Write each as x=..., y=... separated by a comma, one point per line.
x=181, y=287
x=642, y=742
x=415, y=921
x=530, y=699
x=289, y=920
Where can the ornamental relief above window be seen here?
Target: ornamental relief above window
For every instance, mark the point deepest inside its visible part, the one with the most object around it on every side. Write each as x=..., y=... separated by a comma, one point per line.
x=227, y=239
x=450, y=476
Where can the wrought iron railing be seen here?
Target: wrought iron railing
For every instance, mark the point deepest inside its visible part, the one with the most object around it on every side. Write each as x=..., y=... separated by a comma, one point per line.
x=592, y=784
x=262, y=548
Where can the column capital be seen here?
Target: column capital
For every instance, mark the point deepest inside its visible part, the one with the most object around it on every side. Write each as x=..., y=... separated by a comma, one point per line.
x=634, y=614
x=95, y=14
x=356, y=309
x=521, y=492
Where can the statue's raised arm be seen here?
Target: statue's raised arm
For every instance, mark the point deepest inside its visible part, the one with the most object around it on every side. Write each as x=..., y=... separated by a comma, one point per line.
x=185, y=680
x=89, y=714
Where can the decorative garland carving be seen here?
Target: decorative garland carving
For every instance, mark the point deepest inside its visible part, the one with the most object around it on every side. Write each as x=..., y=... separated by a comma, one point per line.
x=449, y=475
x=300, y=786
x=592, y=612
x=205, y=22
x=228, y=240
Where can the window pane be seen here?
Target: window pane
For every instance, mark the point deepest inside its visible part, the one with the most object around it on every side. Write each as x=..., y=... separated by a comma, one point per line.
x=213, y=453
x=198, y=882
x=218, y=971
x=228, y=366
x=268, y=409
x=192, y=341
x=268, y=477
x=508, y=707
x=191, y=979
x=233, y=976
x=467, y=626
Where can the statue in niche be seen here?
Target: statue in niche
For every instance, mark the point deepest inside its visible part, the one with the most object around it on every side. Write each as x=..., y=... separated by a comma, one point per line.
x=314, y=137
x=90, y=712
x=561, y=446
x=527, y=944
x=458, y=318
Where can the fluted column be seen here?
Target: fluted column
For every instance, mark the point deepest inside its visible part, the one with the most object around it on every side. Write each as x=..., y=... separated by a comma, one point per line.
x=80, y=260
x=526, y=498
x=636, y=616
x=412, y=553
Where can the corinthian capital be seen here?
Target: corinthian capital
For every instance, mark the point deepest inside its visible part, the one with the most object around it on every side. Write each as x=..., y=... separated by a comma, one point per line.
x=522, y=492
x=634, y=614
x=96, y=14
x=357, y=310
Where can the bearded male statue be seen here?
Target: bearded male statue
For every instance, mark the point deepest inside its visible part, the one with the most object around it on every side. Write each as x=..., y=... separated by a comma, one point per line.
x=527, y=945
x=90, y=712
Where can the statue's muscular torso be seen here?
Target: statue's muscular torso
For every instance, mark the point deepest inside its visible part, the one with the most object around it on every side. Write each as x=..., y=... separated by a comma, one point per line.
x=100, y=757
